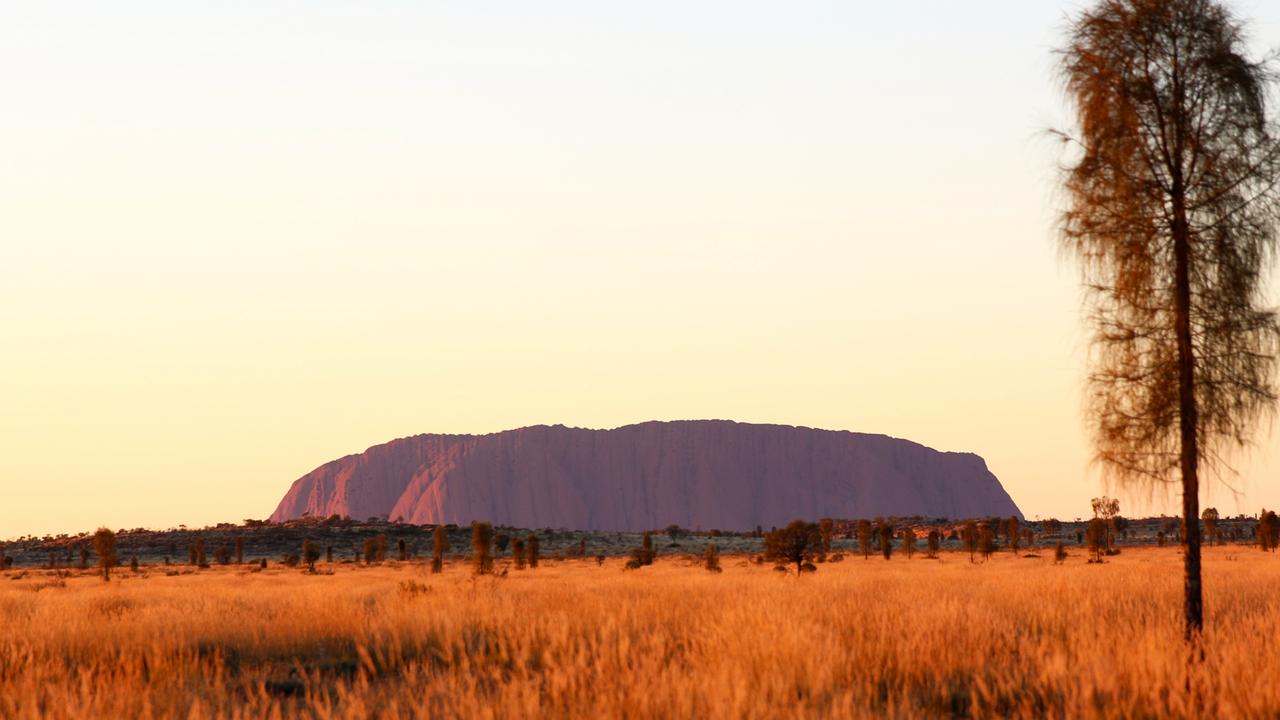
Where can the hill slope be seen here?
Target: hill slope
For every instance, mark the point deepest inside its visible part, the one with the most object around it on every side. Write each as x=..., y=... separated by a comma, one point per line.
x=696, y=474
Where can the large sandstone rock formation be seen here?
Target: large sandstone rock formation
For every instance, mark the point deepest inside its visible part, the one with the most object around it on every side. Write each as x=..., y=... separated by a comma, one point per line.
x=696, y=474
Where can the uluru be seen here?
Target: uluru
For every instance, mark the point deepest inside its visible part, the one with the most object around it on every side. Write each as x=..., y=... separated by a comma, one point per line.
x=693, y=473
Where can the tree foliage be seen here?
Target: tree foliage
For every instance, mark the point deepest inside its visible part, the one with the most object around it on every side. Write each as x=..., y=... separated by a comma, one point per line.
x=104, y=544
x=794, y=543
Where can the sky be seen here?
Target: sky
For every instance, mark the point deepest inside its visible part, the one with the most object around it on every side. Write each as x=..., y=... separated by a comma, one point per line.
x=241, y=239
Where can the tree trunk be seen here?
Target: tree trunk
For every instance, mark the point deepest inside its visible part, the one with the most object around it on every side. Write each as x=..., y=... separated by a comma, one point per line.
x=1187, y=415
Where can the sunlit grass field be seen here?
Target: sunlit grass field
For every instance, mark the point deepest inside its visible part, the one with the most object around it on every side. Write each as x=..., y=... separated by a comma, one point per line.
x=1014, y=637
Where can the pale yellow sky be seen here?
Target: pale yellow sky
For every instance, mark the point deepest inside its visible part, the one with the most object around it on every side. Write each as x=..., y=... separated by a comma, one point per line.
x=239, y=241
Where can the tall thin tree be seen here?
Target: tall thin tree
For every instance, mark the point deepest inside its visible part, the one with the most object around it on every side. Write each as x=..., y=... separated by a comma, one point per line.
x=1171, y=206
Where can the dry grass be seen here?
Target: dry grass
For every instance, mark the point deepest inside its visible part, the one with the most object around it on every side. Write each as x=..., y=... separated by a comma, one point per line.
x=1014, y=637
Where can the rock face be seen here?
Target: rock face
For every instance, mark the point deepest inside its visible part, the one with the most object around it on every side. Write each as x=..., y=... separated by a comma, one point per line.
x=696, y=474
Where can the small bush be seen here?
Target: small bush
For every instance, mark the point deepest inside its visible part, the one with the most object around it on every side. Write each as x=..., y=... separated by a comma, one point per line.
x=711, y=558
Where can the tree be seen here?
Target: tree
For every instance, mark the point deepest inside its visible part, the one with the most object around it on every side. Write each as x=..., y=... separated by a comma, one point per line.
x=1014, y=539
x=1210, y=517
x=481, y=538
x=1107, y=509
x=517, y=552
x=1268, y=530
x=104, y=544
x=934, y=543
x=239, y=551
x=1096, y=534
x=886, y=540
x=793, y=543
x=826, y=528
x=1172, y=198
x=864, y=538
x=531, y=547
x=969, y=537
x=439, y=544
x=986, y=540
x=501, y=542
x=310, y=554
x=909, y=542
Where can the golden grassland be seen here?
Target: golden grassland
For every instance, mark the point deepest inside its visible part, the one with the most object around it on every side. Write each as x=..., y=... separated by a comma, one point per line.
x=1015, y=637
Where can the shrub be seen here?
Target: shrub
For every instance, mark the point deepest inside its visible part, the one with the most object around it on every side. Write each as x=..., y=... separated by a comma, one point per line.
x=375, y=549
x=501, y=542
x=1268, y=530
x=1059, y=554
x=644, y=554
x=222, y=555
x=517, y=551
x=104, y=544
x=133, y=563
x=262, y=563
x=711, y=558
x=1160, y=538
x=291, y=560
x=599, y=560
x=402, y=550
x=481, y=541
